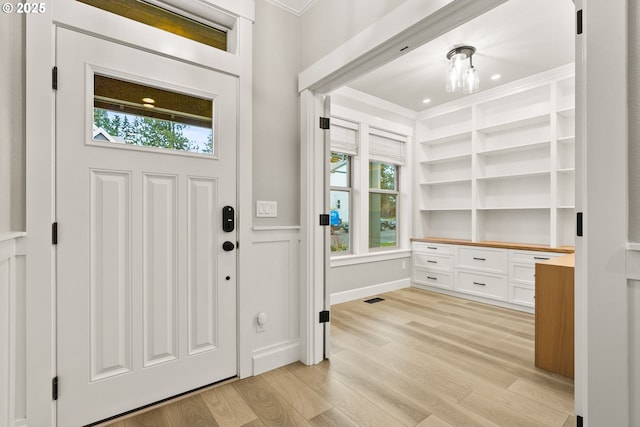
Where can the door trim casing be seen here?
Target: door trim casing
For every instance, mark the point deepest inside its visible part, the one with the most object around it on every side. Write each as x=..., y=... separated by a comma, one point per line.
x=40, y=172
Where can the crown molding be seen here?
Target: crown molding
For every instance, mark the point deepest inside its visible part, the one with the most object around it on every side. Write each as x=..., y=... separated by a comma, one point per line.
x=295, y=7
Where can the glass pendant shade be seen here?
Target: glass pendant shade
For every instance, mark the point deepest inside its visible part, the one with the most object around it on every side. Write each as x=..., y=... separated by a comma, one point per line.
x=462, y=76
x=471, y=82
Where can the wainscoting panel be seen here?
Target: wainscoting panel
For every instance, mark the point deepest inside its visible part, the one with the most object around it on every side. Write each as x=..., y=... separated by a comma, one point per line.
x=276, y=292
x=12, y=330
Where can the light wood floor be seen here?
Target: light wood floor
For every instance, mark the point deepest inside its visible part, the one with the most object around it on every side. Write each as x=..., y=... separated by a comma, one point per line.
x=415, y=359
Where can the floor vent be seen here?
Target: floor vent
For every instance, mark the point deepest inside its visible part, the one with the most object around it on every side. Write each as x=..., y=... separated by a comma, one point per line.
x=372, y=300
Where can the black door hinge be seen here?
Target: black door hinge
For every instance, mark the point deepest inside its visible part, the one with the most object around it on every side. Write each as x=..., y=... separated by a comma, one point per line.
x=324, y=316
x=324, y=219
x=54, y=78
x=54, y=388
x=579, y=421
x=579, y=22
x=54, y=233
x=579, y=224
x=325, y=123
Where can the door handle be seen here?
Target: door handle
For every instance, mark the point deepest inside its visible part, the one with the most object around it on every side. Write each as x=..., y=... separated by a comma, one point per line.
x=228, y=246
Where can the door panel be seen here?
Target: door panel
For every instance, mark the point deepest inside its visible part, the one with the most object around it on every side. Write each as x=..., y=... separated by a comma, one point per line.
x=146, y=294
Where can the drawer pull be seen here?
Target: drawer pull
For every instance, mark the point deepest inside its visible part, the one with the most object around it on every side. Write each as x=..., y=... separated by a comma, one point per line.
x=541, y=258
x=479, y=259
x=432, y=248
x=432, y=278
x=432, y=262
x=479, y=284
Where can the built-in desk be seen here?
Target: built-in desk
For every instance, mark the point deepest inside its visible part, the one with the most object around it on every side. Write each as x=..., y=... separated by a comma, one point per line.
x=554, y=308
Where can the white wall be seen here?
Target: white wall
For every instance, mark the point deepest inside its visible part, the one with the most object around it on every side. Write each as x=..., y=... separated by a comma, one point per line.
x=326, y=24
x=276, y=148
x=12, y=123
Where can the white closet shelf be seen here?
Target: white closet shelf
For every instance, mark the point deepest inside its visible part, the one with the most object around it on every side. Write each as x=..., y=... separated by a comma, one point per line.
x=448, y=181
x=515, y=176
x=447, y=159
x=567, y=112
x=517, y=123
x=513, y=208
x=566, y=170
x=515, y=148
x=434, y=209
x=567, y=140
x=448, y=138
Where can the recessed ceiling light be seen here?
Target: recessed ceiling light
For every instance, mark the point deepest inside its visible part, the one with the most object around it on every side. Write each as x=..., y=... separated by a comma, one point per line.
x=148, y=100
x=426, y=100
x=148, y=105
x=496, y=77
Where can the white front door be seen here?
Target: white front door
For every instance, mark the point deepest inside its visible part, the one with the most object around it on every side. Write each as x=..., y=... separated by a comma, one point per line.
x=146, y=293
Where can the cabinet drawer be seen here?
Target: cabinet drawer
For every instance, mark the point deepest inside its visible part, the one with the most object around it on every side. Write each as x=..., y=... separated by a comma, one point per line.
x=531, y=256
x=482, y=285
x=434, y=248
x=430, y=260
x=485, y=259
x=431, y=278
x=524, y=273
x=524, y=295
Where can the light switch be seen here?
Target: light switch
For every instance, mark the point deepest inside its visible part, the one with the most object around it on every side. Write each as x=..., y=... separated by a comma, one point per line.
x=266, y=209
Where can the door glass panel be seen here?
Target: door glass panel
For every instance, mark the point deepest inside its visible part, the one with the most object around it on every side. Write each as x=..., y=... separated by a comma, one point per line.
x=135, y=114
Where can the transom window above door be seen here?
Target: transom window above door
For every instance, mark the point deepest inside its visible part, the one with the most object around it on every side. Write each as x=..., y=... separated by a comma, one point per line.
x=139, y=115
x=149, y=14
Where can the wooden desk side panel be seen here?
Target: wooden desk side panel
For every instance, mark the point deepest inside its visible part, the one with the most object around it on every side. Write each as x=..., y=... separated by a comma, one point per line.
x=554, y=320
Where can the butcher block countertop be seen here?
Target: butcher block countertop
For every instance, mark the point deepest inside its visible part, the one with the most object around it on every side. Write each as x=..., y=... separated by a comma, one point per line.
x=502, y=245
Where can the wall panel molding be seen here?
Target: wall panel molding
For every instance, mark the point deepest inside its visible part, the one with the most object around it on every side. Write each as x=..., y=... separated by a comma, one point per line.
x=12, y=330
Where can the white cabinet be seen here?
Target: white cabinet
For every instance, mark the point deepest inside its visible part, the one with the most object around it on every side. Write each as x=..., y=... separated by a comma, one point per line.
x=433, y=264
x=499, y=165
x=492, y=272
x=522, y=275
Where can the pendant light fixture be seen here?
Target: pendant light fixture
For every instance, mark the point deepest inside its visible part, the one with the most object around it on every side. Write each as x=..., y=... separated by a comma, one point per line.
x=462, y=76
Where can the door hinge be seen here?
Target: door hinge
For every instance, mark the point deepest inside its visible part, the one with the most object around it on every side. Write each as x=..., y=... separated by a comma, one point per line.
x=324, y=219
x=325, y=123
x=324, y=316
x=579, y=224
x=54, y=233
x=579, y=421
x=54, y=388
x=579, y=21
x=54, y=78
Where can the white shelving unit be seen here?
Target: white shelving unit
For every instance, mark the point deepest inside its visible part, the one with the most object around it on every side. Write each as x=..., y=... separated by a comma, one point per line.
x=500, y=165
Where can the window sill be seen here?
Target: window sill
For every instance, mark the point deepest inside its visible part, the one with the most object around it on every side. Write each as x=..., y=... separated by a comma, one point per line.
x=343, y=260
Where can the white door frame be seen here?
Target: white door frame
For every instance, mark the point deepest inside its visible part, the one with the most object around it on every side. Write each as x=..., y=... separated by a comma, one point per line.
x=601, y=378
x=40, y=166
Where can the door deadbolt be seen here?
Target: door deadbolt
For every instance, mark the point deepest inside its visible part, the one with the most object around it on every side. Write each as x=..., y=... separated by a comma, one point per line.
x=228, y=246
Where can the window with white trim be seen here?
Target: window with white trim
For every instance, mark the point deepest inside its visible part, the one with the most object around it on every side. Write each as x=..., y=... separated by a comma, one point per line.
x=386, y=156
x=366, y=170
x=344, y=145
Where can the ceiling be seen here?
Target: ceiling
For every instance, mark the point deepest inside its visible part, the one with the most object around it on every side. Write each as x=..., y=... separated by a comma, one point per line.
x=516, y=39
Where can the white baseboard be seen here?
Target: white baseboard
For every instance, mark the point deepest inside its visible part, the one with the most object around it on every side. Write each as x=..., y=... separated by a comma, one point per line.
x=268, y=358
x=367, y=291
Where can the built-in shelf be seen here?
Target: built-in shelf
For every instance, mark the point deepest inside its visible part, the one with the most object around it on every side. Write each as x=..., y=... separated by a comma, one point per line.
x=514, y=124
x=514, y=176
x=447, y=159
x=447, y=138
x=515, y=148
x=501, y=166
